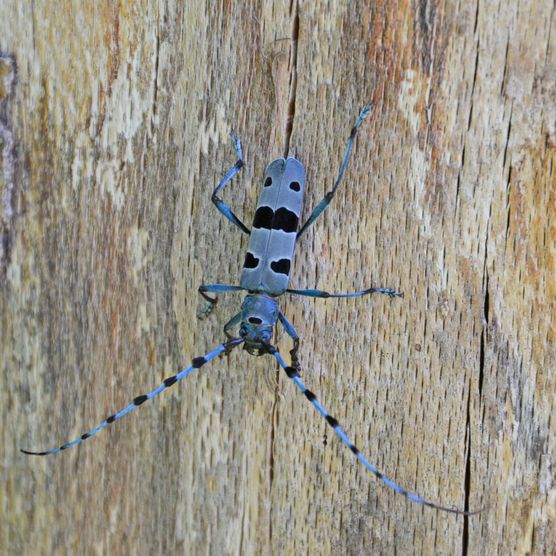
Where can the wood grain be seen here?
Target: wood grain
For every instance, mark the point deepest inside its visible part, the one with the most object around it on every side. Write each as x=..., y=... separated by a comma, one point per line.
x=114, y=123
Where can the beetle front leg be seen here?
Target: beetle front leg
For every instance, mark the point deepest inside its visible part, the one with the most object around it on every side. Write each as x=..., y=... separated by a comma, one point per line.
x=292, y=333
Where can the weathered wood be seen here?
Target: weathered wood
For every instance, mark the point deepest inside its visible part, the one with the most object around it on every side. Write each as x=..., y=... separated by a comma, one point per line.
x=114, y=122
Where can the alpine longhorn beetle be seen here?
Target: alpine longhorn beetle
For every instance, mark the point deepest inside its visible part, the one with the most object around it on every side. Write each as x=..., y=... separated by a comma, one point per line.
x=265, y=277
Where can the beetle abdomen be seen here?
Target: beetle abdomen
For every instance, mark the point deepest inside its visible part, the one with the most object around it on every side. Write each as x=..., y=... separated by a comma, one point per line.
x=269, y=254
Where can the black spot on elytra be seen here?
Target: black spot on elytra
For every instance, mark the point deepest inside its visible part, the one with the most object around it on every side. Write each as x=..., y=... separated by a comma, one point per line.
x=331, y=421
x=263, y=218
x=268, y=182
x=250, y=261
x=169, y=381
x=285, y=220
x=255, y=320
x=281, y=267
x=140, y=399
x=198, y=362
x=294, y=186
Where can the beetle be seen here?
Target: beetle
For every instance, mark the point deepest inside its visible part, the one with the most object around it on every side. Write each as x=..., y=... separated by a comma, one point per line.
x=265, y=277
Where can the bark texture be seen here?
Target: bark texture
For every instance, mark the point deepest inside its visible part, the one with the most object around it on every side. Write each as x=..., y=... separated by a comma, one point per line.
x=114, y=123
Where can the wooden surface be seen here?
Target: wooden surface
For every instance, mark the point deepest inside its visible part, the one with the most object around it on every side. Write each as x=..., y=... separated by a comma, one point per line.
x=114, y=122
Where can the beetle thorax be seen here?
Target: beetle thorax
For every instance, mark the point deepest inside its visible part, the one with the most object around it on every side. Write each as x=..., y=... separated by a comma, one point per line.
x=259, y=313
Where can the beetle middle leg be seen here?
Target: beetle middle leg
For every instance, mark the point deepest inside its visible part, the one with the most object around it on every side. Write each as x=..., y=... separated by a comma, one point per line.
x=214, y=288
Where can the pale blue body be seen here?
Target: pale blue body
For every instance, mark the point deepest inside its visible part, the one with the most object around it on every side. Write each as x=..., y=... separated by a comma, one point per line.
x=266, y=276
x=270, y=245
